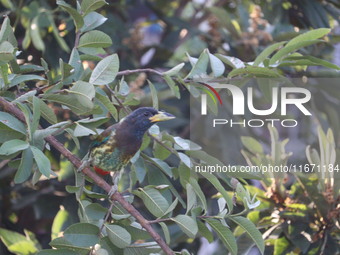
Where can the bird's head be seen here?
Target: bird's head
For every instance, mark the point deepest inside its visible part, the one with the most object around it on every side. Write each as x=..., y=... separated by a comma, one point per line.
x=141, y=119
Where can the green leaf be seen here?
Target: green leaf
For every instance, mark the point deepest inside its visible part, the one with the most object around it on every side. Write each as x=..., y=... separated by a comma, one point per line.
x=233, y=62
x=187, y=224
x=95, y=212
x=25, y=97
x=82, y=234
x=6, y=33
x=92, y=54
x=80, y=130
x=289, y=48
x=108, y=105
x=35, y=35
x=153, y=95
x=92, y=20
x=166, y=232
x=267, y=52
x=252, y=144
x=43, y=163
x=196, y=187
x=60, y=40
x=106, y=244
x=160, y=152
x=307, y=60
x=77, y=102
x=17, y=243
x=154, y=201
x=185, y=159
x=204, y=231
x=146, y=248
x=75, y=62
x=47, y=113
x=174, y=88
x=77, y=18
x=93, y=123
x=66, y=69
x=84, y=88
x=27, y=68
x=224, y=234
x=118, y=236
x=26, y=247
x=309, y=36
x=25, y=167
x=88, y=6
x=185, y=144
x=216, y=183
x=27, y=39
x=136, y=231
x=281, y=245
x=36, y=114
x=95, y=39
x=6, y=52
x=57, y=252
x=255, y=71
x=191, y=197
x=8, y=133
x=161, y=165
x=174, y=71
x=59, y=223
x=105, y=71
x=200, y=67
x=13, y=146
x=25, y=77
x=216, y=65
x=251, y=230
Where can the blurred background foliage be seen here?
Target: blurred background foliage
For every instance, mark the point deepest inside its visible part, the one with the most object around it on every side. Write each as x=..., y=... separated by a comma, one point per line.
x=292, y=217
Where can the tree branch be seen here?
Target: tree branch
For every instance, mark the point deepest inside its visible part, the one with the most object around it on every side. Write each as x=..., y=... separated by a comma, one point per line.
x=12, y=109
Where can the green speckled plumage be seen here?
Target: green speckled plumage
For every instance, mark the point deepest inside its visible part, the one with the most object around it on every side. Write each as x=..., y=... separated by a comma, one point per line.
x=106, y=155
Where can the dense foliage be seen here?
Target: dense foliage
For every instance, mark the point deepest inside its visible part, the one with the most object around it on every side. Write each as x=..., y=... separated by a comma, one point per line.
x=73, y=69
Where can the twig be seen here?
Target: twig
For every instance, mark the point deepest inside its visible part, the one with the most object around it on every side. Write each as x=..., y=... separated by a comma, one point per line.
x=10, y=108
x=159, y=220
x=76, y=40
x=162, y=144
x=4, y=162
x=169, y=219
x=117, y=99
x=146, y=70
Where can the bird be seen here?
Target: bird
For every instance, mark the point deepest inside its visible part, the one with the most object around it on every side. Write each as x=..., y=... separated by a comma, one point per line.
x=116, y=145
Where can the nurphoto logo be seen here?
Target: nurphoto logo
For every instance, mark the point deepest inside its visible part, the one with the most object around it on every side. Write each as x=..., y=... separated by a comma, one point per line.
x=281, y=98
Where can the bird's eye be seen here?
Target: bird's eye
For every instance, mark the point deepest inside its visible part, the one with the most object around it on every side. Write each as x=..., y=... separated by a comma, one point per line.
x=146, y=114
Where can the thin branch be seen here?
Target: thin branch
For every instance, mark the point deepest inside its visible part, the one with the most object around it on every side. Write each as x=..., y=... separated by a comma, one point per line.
x=146, y=70
x=117, y=99
x=76, y=41
x=158, y=220
x=10, y=108
x=4, y=163
x=169, y=219
x=162, y=144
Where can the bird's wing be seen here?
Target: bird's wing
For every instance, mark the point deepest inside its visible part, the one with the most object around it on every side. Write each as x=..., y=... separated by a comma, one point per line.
x=103, y=137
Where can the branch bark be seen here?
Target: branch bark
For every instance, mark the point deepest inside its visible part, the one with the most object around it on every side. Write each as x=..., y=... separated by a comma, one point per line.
x=12, y=109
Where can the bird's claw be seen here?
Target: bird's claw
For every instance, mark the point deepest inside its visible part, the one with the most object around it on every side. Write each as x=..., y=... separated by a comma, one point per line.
x=84, y=164
x=113, y=190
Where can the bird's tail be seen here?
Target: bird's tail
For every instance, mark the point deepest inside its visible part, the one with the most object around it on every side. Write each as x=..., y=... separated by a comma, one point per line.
x=106, y=176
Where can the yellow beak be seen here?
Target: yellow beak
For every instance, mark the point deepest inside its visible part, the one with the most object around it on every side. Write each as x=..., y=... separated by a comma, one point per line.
x=161, y=116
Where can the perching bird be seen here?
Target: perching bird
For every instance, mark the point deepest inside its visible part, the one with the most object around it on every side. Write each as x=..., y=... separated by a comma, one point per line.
x=116, y=145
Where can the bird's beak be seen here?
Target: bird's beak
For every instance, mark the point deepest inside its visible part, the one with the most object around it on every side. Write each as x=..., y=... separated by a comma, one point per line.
x=161, y=116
